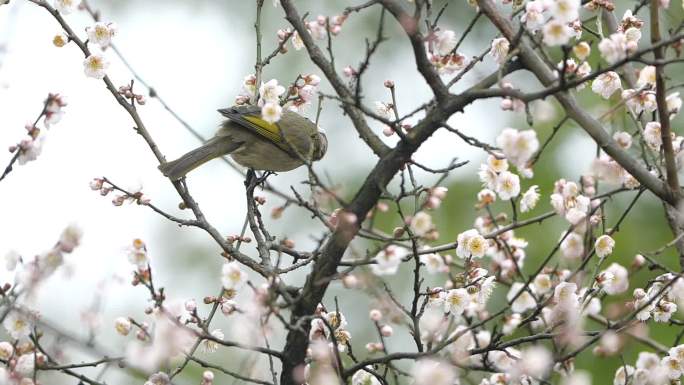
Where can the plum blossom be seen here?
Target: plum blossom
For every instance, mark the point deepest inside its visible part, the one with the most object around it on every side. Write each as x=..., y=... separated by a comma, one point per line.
x=507, y=185
x=456, y=301
x=471, y=244
x=613, y=48
x=101, y=34
x=388, y=260
x=572, y=247
x=66, y=6
x=604, y=245
x=362, y=377
x=674, y=104
x=582, y=50
x=518, y=146
x=620, y=282
x=529, y=199
x=499, y=50
x=434, y=263
x=534, y=15
x=270, y=92
x=652, y=135
x=95, y=66
x=445, y=41
x=428, y=371
x=421, y=223
x=564, y=10
x=647, y=77
x=18, y=325
x=556, y=33
x=232, y=276
x=524, y=300
x=271, y=112
x=606, y=84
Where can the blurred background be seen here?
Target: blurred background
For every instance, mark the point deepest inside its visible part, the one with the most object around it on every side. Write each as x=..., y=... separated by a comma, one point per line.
x=195, y=54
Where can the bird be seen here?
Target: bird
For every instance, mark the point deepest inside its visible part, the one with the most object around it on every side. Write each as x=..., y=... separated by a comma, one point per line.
x=256, y=143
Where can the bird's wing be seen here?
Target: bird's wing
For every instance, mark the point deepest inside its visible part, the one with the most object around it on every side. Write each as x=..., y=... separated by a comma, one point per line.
x=249, y=117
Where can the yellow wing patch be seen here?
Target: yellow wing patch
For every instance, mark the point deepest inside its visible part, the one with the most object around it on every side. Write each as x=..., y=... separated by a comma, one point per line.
x=265, y=129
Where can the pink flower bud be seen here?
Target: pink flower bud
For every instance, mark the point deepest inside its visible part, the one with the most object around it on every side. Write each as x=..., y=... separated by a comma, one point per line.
x=433, y=202
x=118, y=200
x=389, y=83
x=439, y=191
x=375, y=315
x=388, y=131
x=348, y=71
x=96, y=184
x=386, y=331
x=506, y=104
x=190, y=305
x=350, y=281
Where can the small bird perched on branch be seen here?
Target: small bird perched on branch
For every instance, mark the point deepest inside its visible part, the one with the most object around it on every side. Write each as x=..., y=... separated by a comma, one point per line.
x=255, y=143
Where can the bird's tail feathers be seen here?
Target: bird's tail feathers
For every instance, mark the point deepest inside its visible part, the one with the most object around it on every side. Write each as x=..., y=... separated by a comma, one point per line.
x=214, y=148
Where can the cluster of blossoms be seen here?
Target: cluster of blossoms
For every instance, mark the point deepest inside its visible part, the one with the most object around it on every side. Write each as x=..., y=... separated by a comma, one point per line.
x=660, y=298
x=104, y=187
x=318, y=29
x=650, y=368
x=20, y=354
x=170, y=332
x=30, y=147
x=557, y=19
x=441, y=52
x=624, y=41
x=99, y=34
x=273, y=96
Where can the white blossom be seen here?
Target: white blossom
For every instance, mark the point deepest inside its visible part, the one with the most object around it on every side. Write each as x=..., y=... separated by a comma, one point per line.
x=613, y=48
x=232, y=276
x=362, y=377
x=507, y=185
x=456, y=301
x=270, y=92
x=101, y=33
x=620, y=282
x=434, y=263
x=534, y=15
x=18, y=325
x=210, y=346
x=572, y=246
x=529, y=199
x=674, y=103
x=95, y=66
x=604, y=245
x=123, y=325
x=271, y=112
x=556, y=33
x=499, y=50
x=647, y=77
x=582, y=50
x=565, y=10
x=421, y=223
x=388, y=260
x=445, y=41
x=524, y=301
x=471, y=244
x=606, y=84
x=428, y=371
x=652, y=135
x=66, y=6
x=518, y=146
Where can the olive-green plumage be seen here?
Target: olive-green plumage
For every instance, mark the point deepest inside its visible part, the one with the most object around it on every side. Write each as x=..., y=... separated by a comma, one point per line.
x=256, y=144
